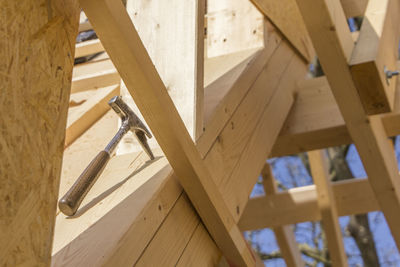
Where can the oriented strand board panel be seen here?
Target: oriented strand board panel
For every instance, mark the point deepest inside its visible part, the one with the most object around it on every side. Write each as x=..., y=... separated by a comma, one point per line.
x=37, y=54
x=233, y=26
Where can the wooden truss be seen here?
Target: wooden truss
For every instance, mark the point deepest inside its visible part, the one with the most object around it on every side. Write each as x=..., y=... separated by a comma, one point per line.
x=192, y=202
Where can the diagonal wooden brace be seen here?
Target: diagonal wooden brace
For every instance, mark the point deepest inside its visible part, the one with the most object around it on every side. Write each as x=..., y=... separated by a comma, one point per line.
x=123, y=44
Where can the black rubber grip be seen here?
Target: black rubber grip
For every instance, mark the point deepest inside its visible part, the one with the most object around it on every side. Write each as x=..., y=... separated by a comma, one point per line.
x=70, y=202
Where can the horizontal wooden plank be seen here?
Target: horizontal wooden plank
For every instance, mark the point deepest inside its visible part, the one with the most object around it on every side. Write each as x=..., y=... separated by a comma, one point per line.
x=300, y=205
x=88, y=48
x=85, y=26
x=95, y=80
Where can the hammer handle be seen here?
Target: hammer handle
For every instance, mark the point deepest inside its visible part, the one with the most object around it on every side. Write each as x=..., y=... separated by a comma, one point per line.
x=70, y=202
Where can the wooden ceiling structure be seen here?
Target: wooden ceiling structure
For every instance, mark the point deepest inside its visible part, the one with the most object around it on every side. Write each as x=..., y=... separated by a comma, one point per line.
x=219, y=103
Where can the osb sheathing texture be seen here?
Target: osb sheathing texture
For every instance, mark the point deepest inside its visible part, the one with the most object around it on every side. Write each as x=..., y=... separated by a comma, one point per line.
x=37, y=41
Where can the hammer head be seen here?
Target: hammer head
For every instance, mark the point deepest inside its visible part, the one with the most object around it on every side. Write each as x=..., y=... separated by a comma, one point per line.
x=135, y=124
x=127, y=114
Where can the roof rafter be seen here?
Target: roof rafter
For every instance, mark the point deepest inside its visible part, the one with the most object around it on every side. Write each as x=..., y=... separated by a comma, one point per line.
x=125, y=48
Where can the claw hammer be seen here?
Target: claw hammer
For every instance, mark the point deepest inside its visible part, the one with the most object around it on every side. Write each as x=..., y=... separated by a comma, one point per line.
x=70, y=202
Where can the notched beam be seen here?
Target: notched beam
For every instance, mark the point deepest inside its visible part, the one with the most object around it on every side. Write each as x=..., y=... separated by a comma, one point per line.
x=376, y=51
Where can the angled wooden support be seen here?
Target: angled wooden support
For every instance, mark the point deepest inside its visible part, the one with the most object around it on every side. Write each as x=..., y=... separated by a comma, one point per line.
x=354, y=8
x=376, y=51
x=237, y=91
x=327, y=206
x=284, y=234
x=125, y=48
x=285, y=15
x=247, y=138
x=328, y=29
x=299, y=204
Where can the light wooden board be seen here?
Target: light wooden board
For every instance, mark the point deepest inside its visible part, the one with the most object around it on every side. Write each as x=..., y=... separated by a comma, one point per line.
x=37, y=48
x=377, y=49
x=315, y=122
x=285, y=15
x=88, y=48
x=240, y=86
x=200, y=251
x=232, y=26
x=171, y=239
x=231, y=141
x=242, y=149
x=327, y=207
x=172, y=33
x=123, y=44
x=300, y=205
x=93, y=75
x=95, y=80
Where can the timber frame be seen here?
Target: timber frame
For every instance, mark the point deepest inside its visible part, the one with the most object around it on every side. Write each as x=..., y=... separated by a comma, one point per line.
x=249, y=98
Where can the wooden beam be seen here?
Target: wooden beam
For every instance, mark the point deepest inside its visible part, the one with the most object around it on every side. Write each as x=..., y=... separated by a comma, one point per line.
x=85, y=26
x=200, y=251
x=377, y=49
x=327, y=207
x=284, y=234
x=354, y=8
x=36, y=67
x=327, y=26
x=285, y=15
x=314, y=122
x=175, y=40
x=95, y=80
x=229, y=103
x=237, y=148
x=232, y=26
x=123, y=44
x=165, y=249
x=82, y=117
x=307, y=127
x=259, y=145
x=88, y=48
x=300, y=205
